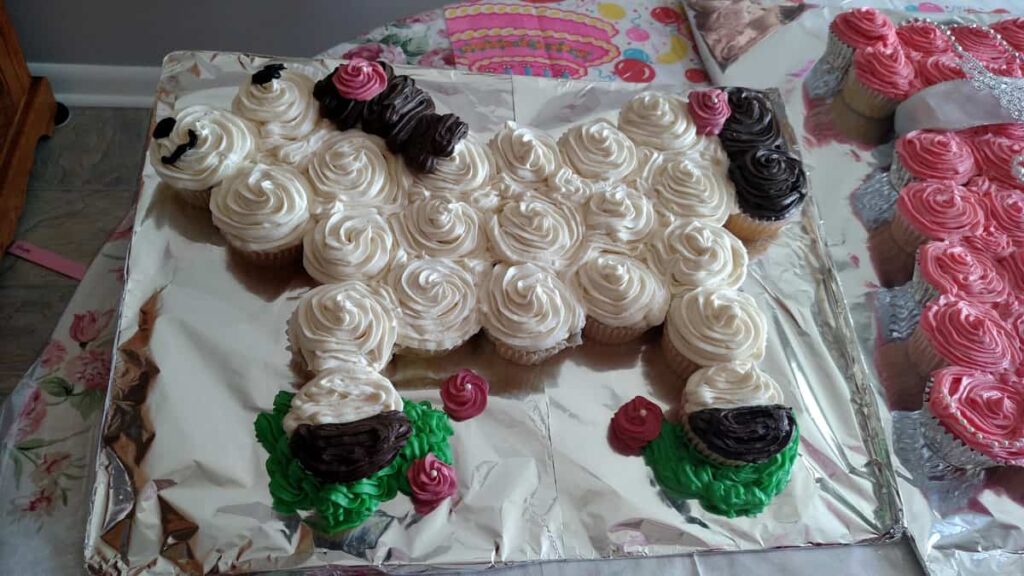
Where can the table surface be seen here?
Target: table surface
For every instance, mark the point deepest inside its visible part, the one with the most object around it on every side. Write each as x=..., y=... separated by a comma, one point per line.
x=48, y=424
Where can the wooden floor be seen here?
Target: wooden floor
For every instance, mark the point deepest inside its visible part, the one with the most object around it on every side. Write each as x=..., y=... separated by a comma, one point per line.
x=82, y=183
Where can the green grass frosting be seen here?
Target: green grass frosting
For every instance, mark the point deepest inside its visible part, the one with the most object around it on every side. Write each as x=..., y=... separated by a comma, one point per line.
x=343, y=506
x=683, y=473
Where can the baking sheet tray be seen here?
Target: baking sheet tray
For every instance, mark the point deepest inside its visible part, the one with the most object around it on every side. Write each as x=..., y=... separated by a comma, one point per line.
x=538, y=480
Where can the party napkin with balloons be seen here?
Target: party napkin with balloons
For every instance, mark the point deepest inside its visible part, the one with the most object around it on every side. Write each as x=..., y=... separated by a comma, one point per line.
x=634, y=41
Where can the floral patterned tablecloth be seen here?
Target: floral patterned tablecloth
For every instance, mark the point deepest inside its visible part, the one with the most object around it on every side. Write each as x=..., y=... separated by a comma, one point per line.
x=48, y=426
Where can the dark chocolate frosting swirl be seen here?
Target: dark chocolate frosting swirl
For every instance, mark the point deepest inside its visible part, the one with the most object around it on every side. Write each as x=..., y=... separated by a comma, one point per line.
x=770, y=184
x=403, y=122
x=164, y=127
x=388, y=108
x=345, y=113
x=268, y=73
x=342, y=453
x=435, y=136
x=448, y=131
x=750, y=434
x=751, y=123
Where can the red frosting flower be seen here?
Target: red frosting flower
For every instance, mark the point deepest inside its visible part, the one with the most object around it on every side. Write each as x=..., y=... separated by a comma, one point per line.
x=954, y=270
x=990, y=241
x=88, y=326
x=709, y=110
x=464, y=395
x=932, y=155
x=1005, y=208
x=431, y=481
x=978, y=42
x=994, y=155
x=360, y=79
x=634, y=425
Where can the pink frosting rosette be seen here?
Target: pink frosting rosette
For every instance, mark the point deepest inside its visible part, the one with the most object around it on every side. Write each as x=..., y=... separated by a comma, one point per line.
x=863, y=27
x=430, y=481
x=940, y=210
x=931, y=155
x=990, y=241
x=359, y=79
x=886, y=70
x=932, y=70
x=994, y=156
x=1005, y=208
x=464, y=395
x=709, y=110
x=1012, y=30
x=980, y=44
x=954, y=270
x=1013, y=266
x=923, y=38
x=634, y=425
x=970, y=334
x=983, y=410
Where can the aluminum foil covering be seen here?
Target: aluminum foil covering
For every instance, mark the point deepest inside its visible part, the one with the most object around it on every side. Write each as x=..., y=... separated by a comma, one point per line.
x=964, y=523
x=180, y=479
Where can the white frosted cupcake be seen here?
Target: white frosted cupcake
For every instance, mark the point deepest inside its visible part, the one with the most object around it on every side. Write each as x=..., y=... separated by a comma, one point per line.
x=529, y=313
x=537, y=231
x=346, y=393
x=199, y=147
x=659, y=121
x=354, y=169
x=348, y=323
x=619, y=216
x=263, y=212
x=525, y=160
x=468, y=171
x=567, y=187
x=732, y=385
x=684, y=189
x=622, y=297
x=348, y=246
x=691, y=254
x=280, y=102
x=442, y=227
x=438, y=299
x=598, y=152
x=299, y=153
x=706, y=327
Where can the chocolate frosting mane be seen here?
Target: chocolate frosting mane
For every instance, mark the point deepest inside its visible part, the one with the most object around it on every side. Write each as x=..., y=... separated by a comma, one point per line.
x=751, y=124
x=345, y=113
x=750, y=434
x=769, y=183
x=268, y=73
x=342, y=453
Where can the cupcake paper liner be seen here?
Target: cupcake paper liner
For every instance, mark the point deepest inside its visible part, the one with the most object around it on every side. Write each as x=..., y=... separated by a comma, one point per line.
x=751, y=230
x=898, y=174
x=680, y=364
x=874, y=201
x=600, y=332
x=856, y=126
x=947, y=446
x=865, y=101
x=838, y=54
x=195, y=198
x=923, y=355
x=904, y=234
x=898, y=312
x=922, y=290
x=824, y=80
x=893, y=265
x=527, y=357
x=284, y=256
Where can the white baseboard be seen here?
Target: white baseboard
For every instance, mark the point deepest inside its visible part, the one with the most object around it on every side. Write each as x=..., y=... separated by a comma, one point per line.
x=94, y=85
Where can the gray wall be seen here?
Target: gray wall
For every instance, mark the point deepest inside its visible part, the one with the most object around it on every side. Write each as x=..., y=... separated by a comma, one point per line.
x=140, y=32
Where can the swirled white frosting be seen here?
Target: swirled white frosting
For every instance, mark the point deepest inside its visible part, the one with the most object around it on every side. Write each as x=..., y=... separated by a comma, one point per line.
x=347, y=393
x=441, y=227
x=284, y=108
x=538, y=231
x=528, y=307
x=470, y=168
x=438, y=299
x=619, y=214
x=524, y=158
x=685, y=189
x=298, y=153
x=618, y=290
x=348, y=323
x=711, y=326
x=709, y=150
x=647, y=162
x=567, y=186
x=730, y=385
x=691, y=254
x=223, y=142
x=348, y=246
x=262, y=208
x=354, y=169
x=598, y=151
x=659, y=121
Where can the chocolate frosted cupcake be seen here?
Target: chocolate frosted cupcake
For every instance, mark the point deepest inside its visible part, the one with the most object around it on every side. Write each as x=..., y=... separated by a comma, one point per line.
x=740, y=436
x=751, y=124
x=770, y=187
x=344, y=93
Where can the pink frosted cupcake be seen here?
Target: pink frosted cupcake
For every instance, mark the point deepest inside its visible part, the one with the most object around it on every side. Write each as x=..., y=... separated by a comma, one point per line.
x=923, y=39
x=935, y=210
x=994, y=155
x=990, y=241
x=1012, y=30
x=932, y=70
x=853, y=30
x=980, y=43
x=959, y=332
x=709, y=109
x=926, y=155
x=883, y=77
x=1005, y=208
x=951, y=269
x=975, y=418
x=1013, y=266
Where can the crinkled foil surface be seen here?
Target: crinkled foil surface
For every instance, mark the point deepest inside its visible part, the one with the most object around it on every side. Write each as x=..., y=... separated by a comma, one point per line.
x=960, y=523
x=538, y=480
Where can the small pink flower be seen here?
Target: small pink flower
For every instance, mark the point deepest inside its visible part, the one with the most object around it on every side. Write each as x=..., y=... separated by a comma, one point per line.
x=53, y=355
x=88, y=326
x=359, y=79
x=431, y=481
x=51, y=466
x=376, y=51
x=438, y=58
x=90, y=369
x=42, y=500
x=31, y=415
